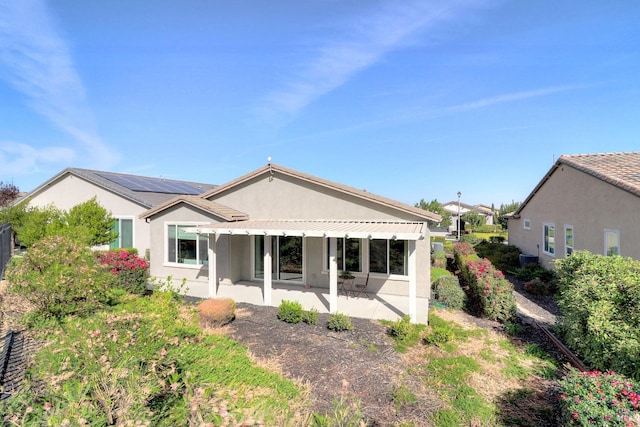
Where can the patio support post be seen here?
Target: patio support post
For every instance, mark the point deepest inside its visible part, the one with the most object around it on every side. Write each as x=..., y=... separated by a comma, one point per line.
x=333, y=275
x=267, y=270
x=412, y=281
x=213, y=266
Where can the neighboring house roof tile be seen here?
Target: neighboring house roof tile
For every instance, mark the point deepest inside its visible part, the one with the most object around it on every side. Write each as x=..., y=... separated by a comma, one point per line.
x=621, y=170
x=224, y=212
x=129, y=186
x=361, y=194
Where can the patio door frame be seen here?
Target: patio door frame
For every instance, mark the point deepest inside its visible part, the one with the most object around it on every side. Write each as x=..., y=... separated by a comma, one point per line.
x=275, y=259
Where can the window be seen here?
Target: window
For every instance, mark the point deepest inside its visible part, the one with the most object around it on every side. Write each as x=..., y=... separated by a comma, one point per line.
x=549, y=239
x=526, y=224
x=388, y=256
x=384, y=256
x=568, y=240
x=398, y=257
x=124, y=227
x=378, y=256
x=611, y=242
x=186, y=248
x=349, y=255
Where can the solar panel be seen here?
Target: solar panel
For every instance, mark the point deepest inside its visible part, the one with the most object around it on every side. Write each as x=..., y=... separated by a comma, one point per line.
x=152, y=185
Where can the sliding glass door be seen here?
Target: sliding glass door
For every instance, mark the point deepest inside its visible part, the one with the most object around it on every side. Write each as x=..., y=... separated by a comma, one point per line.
x=286, y=252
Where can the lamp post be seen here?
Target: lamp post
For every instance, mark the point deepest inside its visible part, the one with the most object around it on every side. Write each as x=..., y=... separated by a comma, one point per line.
x=459, y=194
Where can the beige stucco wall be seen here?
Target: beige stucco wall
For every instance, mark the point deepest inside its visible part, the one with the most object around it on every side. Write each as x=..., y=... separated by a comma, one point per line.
x=285, y=197
x=590, y=205
x=281, y=198
x=70, y=190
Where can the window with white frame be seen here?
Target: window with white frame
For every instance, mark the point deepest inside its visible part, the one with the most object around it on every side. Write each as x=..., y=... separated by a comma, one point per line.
x=549, y=239
x=186, y=248
x=611, y=242
x=348, y=256
x=388, y=256
x=526, y=224
x=568, y=240
x=124, y=227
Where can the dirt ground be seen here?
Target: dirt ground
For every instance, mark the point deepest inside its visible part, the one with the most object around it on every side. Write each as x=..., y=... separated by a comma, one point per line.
x=361, y=362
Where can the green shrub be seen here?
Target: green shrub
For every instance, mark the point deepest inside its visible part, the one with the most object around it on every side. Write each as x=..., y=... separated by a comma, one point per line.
x=436, y=273
x=290, y=311
x=503, y=257
x=340, y=322
x=449, y=292
x=401, y=328
x=531, y=271
x=439, y=259
x=469, y=238
x=216, y=312
x=597, y=398
x=599, y=297
x=439, y=335
x=310, y=316
x=60, y=277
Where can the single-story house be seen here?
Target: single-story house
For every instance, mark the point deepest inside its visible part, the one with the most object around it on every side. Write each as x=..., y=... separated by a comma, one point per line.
x=454, y=208
x=125, y=196
x=584, y=202
x=278, y=225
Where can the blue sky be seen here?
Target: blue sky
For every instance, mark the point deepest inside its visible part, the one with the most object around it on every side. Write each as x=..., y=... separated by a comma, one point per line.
x=410, y=100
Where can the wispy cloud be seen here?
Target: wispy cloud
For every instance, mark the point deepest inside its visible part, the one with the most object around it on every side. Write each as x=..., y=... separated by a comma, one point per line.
x=362, y=44
x=41, y=68
x=20, y=159
x=509, y=97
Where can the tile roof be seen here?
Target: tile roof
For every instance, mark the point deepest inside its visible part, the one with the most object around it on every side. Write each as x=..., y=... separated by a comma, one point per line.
x=221, y=211
x=361, y=194
x=621, y=170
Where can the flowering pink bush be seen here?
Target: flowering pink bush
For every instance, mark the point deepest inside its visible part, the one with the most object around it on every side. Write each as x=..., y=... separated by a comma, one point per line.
x=490, y=290
x=130, y=272
x=598, y=398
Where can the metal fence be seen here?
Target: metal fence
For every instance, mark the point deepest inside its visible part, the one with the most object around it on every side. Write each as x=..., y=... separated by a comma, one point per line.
x=5, y=247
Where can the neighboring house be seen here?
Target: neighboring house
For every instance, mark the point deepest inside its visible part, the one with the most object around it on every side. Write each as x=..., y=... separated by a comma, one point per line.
x=454, y=208
x=584, y=202
x=279, y=225
x=125, y=196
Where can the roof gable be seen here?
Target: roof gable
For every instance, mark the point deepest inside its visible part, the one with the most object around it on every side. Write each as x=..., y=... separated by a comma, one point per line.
x=217, y=209
x=622, y=170
x=145, y=191
x=274, y=170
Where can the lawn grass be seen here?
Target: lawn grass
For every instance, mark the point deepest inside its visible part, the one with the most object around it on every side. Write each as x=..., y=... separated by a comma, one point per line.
x=482, y=378
x=146, y=361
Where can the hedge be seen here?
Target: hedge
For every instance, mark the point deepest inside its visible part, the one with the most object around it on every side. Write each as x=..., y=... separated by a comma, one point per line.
x=489, y=291
x=599, y=297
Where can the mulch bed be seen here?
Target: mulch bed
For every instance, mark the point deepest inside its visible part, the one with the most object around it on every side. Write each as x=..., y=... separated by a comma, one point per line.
x=359, y=363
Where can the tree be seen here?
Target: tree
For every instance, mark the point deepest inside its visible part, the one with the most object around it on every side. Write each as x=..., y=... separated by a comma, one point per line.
x=474, y=219
x=88, y=223
x=92, y=220
x=34, y=223
x=435, y=207
x=504, y=210
x=8, y=193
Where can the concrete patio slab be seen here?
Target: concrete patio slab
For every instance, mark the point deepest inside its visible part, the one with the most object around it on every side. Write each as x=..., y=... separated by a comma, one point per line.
x=374, y=306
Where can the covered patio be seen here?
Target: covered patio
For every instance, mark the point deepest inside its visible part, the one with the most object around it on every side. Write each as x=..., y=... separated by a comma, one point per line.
x=324, y=299
x=374, y=306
